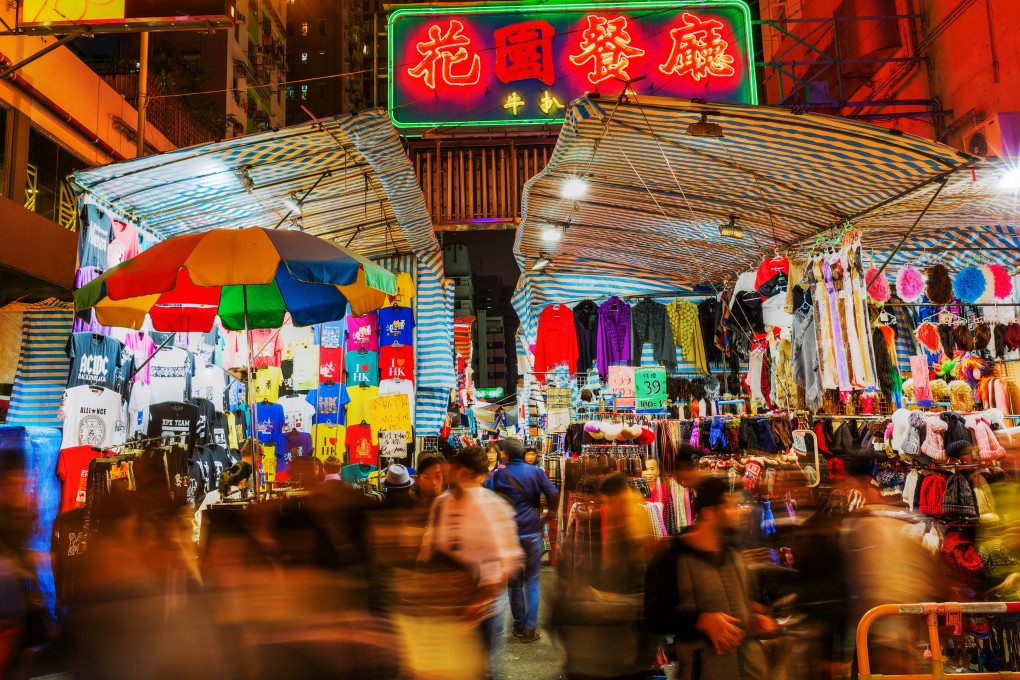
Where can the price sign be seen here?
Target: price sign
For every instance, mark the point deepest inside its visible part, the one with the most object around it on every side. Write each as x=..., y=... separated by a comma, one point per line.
x=393, y=443
x=650, y=388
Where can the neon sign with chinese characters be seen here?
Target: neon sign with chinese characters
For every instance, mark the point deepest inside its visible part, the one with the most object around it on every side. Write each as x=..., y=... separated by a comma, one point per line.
x=520, y=64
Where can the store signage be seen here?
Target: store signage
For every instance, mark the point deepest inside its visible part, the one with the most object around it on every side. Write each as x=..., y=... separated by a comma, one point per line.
x=650, y=388
x=521, y=64
x=489, y=392
x=110, y=16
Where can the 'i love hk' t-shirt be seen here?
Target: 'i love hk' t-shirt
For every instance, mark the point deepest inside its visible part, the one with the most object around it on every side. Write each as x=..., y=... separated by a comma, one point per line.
x=362, y=367
x=396, y=362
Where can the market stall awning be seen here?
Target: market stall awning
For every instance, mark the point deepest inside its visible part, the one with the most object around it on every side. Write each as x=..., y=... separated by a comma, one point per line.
x=655, y=195
x=345, y=179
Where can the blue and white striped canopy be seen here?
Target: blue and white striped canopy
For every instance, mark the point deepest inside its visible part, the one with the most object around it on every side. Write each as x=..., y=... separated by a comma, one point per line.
x=367, y=198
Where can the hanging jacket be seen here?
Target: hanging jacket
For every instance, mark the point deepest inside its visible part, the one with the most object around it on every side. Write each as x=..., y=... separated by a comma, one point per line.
x=649, y=324
x=586, y=328
x=614, y=334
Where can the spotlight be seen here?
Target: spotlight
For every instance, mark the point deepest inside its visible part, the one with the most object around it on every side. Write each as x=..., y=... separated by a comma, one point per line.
x=552, y=235
x=293, y=204
x=1011, y=180
x=574, y=188
x=541, y=264
x=731, y=229
x=244, y=178
x=704, y=129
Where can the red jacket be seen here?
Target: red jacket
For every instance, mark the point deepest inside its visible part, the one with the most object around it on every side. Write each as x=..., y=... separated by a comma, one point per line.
x=557, y=340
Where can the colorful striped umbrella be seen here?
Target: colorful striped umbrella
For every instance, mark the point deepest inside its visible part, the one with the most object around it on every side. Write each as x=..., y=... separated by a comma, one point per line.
x=248, y=277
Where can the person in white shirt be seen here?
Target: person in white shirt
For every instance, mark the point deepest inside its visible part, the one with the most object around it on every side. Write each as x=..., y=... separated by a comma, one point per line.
x=476, y=527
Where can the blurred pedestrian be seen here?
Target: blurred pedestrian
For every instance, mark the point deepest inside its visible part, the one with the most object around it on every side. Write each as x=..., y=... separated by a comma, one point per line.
x=524, y=485
x=398, y=485
x=430, y=481
x=531, y=456
x=475, y=528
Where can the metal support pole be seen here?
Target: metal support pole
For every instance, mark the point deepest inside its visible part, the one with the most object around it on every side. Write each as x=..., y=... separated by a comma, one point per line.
x=43, y=52
x=942, y=185
x=143, y=92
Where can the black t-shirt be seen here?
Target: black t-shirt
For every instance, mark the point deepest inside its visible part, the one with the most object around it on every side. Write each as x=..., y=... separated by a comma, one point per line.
x=220, y=434
x=197, y=482
x=215, y=461
x=67, y=549
x=206, y=421
x=95, y=360
x=177, y=465
x=172, y=419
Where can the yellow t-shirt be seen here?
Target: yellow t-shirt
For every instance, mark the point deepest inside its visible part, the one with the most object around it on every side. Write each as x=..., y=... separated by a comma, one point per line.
x=405, y=290
x=267, y=383
x=329, y=440
x=392, y=412
x=232, y=431
x=357, y=408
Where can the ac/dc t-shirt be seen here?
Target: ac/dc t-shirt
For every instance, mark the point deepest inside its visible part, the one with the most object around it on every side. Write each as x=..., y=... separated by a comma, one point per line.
x=362, y=367
x=175, y=419
x=170, y=374
x=331, y=364
x=396, y=362
x=396, y=324
x=94, y=246
x=73, y=473
x=95, y=360
x=93, y=416
x=360, y=448
x=363, y=332
x=329, y=401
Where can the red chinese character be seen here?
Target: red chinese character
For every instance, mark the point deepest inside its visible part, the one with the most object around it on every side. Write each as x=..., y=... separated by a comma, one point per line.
x=524, y=50
x=698, y=50
x=448, y=48
x=607, y=43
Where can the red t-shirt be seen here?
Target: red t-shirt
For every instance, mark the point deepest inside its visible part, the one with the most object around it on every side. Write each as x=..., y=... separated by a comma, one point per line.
x=331, y=364
x=73, y=472
x=359, y=445
x=396, y=362
x=769, y=268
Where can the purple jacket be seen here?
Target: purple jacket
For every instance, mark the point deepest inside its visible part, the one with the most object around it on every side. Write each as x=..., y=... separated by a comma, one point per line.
x=614, y=334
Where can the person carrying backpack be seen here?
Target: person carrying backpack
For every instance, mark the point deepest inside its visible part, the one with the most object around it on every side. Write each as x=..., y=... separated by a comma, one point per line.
x=524, y=485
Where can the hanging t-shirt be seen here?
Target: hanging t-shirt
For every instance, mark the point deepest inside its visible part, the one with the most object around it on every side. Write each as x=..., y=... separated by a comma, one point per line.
x=81, y=277
x=210, y=382
x=296, y=337
x=287, y=370
x=159, y=337
x=269, y=422
x=93, y=416
x=202, y=345
x=396, y=362
x=331, y=334
x=94, y=245
x=405, y=290
x=175, y=419
x=331, y=364
x=236, y=394
x=266, y=347
x=360, y=448
x=362, y=367
x=124, y=371
x=170, y=374
x=142, y=347
x=206, y=418
x=391, y=413
x=73, y=472
x=329, y=440
x=68, y=547
x=123, y=244
x=396, y=325
x=404, y=387
x=357, y=407
x=221, y=431
x=138, y=409
x=298, y=414
x=235, y=349
x=306, y=368
x=95, y=360
x=268, y=381
x=329, y=401
x=357, y=472
x=363, y=332
x=296, y=444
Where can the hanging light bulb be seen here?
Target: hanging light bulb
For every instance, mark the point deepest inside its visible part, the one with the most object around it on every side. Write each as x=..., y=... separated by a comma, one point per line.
x=574, y=188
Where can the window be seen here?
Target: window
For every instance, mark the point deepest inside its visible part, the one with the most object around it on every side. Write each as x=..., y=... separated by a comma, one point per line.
x=304, y=57
x=304, y=93
x=304, y=28
x=47, y=191
x=322, y=27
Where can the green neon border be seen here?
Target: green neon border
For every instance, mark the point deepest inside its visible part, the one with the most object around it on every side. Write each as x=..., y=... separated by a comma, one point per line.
x=521, y=9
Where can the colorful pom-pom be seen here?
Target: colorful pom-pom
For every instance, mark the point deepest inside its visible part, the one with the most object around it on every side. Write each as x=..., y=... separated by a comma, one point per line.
x=878, y=285
x=1003, y=282
x=909, y=284
x=969, y=284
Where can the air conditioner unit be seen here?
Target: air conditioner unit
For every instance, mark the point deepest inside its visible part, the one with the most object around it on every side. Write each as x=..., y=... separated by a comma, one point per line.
x=998, y=136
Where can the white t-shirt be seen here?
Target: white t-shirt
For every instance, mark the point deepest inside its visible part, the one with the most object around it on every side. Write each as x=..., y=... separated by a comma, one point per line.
x=294, y=338
x=306, y=368
x=210, y=382
x=93, y=416
x=297, y=414
x=393, y=386
x=170, y=374
x=138, y=408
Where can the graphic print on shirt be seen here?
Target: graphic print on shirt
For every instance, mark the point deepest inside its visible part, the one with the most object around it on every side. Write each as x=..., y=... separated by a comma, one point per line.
x=361, y=336
x=363, y=368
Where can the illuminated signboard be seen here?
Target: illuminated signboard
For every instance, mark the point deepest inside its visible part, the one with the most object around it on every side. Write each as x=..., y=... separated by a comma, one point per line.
x=520, y=64
x=109, y=16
